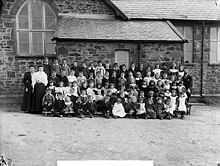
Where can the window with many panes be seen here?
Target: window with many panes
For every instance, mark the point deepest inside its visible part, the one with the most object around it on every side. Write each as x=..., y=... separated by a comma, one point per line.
x=214, y=44
x=36, y=23
x=187, y=32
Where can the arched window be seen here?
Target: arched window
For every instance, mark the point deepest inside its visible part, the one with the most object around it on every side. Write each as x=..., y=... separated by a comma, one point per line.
x=36, y=23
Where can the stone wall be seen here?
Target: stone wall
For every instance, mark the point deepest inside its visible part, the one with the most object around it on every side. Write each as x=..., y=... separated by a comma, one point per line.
x=94, y=51
x=152, y=53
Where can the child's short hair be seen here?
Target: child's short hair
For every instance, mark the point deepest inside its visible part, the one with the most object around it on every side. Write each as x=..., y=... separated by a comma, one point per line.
x=48, y=90
x=112, y=84
x=51, y=81
x=141, y=99
x=61, y=82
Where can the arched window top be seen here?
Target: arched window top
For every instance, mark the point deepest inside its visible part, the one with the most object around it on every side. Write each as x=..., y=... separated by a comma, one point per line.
x=36, y=24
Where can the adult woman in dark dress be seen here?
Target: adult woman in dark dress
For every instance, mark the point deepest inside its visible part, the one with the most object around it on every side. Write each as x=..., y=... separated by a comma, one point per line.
x=39, y=83
x=28, y=91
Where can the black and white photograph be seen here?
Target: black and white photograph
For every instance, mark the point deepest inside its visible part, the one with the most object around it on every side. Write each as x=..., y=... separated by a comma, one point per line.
x=109, y=82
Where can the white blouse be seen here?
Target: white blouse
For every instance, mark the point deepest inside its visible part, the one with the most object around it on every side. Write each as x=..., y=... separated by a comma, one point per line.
x=39, y=77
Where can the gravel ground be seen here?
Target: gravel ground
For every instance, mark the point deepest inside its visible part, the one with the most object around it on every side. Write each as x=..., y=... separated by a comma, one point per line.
x=36, y=140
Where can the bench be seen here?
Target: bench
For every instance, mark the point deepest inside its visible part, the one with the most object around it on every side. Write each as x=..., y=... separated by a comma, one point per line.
x=190, y=106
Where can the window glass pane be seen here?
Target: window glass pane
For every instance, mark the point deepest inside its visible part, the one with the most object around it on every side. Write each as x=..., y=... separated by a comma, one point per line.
x=37, y=43
x=50, y=23
x=218, y=54
x=37, y=23
x=24, y=10
x=122, y=57
x=49, y=36
x=36, y=8
x=213, y=34
x=24, y=37
x=23, y=22
x=218, y=33
x=188, y=31
x=50, y=48
x=48, y=11
x=213, y=52
x=24, y=48
x=37, y=48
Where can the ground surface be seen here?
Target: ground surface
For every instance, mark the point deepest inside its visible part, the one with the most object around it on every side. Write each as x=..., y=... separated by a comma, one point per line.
x=35, y=140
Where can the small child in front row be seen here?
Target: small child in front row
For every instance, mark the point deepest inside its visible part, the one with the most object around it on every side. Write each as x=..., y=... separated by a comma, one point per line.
x=59, y=106
x=160, y=110
x=69, y=107
x=150, y=109
x=118, y=109
x=78, y=106
x=48, y=101
x=106, y=107
x=91, y=107
x=168, y=108
x=181, y=105
x=141, y=111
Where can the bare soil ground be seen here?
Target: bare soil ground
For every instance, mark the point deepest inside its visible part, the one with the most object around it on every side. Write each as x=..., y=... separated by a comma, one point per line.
x=36, y=140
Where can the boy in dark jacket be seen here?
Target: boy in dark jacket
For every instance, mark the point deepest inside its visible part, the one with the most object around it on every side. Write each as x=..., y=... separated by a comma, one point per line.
x=59, y=106
x=90, y=106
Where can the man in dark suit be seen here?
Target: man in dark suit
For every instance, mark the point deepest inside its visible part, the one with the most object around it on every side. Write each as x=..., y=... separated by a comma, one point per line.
x=47, y=67
x=188, y=83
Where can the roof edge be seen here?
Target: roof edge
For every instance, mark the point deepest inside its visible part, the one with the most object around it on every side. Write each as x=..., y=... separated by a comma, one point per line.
x=117, y=40
x=177, y=32
x=116, y=9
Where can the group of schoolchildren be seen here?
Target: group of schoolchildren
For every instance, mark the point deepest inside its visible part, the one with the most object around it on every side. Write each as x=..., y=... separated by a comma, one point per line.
x=115, y=92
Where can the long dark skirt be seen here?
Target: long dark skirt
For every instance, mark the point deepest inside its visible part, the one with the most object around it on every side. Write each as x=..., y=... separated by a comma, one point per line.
x=39, y=91
x=27, y=100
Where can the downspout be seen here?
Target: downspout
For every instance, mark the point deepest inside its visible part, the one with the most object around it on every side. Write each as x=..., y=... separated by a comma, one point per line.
x=202, y=58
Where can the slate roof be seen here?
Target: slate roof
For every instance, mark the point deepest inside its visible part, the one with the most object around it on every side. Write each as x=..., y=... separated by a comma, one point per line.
x=102, y=27
x=169, y=9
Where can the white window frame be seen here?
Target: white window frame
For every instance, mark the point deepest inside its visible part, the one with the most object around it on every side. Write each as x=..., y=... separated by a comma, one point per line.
x=190, y=40
x=30, y=30
x=126, y=50
x=218, y=45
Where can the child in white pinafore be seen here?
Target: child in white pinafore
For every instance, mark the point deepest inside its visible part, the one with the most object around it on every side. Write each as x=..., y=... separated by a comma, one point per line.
x=69, y=107
x=118, y=109
x=173, y=98
x=141, y=111
x=182, y=104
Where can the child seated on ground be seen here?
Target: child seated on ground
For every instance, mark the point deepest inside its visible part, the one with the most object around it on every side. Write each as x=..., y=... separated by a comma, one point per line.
x=141, y=111
x=59, y=106
x=48, y=101
x=91, y=107
x=168, y=109
x=160, y=110
x=106, y=107
x=150, y=109
x=133, y=107
x=78, y=107
x=69, y=107
x=118, y=109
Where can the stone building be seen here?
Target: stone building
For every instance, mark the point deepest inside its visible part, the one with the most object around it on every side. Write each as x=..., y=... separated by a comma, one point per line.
x=122, y=31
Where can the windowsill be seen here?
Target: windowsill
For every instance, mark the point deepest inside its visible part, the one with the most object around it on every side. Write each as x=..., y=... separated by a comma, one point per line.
x=52, y=56
x=214, y=64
